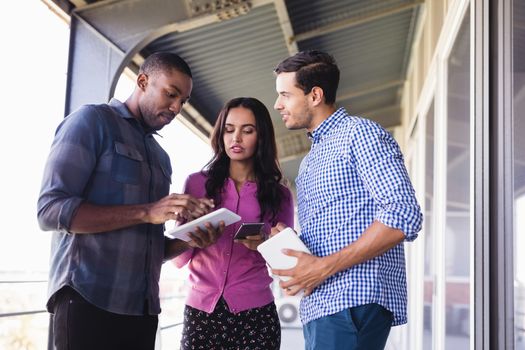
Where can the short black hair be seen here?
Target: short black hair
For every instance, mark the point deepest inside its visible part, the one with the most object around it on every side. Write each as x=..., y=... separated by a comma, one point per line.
x=313, y=68
x=164, y=61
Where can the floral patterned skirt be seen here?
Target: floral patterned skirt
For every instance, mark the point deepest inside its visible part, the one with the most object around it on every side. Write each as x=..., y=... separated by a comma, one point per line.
x=256, y=328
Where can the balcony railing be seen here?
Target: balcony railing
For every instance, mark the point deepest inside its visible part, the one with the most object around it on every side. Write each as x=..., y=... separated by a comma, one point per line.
x=24, y=325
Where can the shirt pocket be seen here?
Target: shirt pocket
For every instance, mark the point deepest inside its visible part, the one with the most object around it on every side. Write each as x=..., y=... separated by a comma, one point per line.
x=127, y=164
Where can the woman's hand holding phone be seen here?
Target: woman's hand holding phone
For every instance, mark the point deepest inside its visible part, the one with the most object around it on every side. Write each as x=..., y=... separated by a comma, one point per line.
x=250, y=235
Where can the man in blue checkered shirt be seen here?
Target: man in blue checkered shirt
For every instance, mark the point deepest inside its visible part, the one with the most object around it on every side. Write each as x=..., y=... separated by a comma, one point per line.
x=356, y=207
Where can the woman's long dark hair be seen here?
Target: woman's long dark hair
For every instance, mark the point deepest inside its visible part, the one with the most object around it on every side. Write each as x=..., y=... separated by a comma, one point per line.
x=268, y=174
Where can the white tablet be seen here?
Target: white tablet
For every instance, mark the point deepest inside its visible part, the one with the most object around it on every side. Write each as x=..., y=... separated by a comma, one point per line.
x=222, y=214
x=275, y=258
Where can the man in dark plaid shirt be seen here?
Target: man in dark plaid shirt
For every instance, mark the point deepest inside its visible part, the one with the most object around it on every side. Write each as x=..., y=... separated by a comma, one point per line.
x=105, y=194
x=356, y=207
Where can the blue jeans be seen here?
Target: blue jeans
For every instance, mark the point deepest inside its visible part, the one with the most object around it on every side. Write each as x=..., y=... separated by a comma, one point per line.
x=358, y=328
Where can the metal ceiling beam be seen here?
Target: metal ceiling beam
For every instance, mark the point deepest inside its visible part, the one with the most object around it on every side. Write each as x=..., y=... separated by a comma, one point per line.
x=58, y=9
x=79, y=3
x=286, y=26
x=352, y=22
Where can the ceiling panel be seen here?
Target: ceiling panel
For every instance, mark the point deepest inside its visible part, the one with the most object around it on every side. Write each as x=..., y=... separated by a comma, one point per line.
x=230, y=59
x=370, y=39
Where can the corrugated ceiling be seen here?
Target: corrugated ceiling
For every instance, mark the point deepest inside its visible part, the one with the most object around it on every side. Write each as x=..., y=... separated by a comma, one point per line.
x=370, y=39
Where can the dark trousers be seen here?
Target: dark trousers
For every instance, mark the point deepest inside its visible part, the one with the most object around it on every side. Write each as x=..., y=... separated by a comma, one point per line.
x=79, y=325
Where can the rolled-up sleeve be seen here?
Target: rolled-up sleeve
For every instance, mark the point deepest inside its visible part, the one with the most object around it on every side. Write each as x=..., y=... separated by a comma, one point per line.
x=69, y=166
x=382, y=169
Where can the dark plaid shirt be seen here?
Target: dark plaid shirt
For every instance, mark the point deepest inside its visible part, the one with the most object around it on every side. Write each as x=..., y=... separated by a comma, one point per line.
x=103, y=156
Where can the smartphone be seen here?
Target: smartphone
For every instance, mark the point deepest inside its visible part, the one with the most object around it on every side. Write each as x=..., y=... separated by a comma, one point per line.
x=249, y=229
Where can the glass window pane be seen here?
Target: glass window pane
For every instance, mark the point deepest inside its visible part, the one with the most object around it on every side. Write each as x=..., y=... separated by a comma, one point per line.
x=518, y=127
x=457, y=221
x=429, y=230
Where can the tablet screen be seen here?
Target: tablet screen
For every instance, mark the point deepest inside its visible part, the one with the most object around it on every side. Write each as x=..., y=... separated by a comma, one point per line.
x=222, y=214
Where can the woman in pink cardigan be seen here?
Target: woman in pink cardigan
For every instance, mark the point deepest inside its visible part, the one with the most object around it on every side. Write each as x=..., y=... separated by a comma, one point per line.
x=230, y=304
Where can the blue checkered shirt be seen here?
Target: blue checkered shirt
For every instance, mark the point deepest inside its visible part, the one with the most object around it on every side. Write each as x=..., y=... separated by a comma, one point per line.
x=353, y=175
